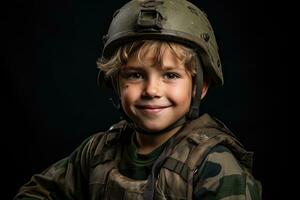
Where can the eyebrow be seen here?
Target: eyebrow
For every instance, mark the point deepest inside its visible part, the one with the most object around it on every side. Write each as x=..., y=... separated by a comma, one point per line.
x=132, y=67
x=165, y=67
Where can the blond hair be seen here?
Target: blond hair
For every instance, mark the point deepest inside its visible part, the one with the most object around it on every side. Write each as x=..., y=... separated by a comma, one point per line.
x=120, y=58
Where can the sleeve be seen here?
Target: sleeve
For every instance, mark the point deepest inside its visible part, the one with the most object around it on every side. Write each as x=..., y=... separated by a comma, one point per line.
x=221, y=177
x=66, y=179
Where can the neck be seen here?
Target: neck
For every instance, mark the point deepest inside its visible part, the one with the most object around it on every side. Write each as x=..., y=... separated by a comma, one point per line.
x=147, y=143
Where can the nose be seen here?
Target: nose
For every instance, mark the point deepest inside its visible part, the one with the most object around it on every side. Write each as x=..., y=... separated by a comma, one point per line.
x=152, y=88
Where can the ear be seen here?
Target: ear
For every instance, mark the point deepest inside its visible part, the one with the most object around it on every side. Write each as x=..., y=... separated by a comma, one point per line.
x=205, y=87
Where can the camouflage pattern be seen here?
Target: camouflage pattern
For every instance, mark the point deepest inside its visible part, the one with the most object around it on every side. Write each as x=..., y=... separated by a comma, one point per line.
x=205, y=162
x=220, y=171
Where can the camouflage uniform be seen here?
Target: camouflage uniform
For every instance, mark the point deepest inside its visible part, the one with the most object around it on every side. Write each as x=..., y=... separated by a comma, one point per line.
x=203, y=161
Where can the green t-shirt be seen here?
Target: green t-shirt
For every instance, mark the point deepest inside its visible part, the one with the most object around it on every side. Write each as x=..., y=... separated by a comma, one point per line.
x=138, y=166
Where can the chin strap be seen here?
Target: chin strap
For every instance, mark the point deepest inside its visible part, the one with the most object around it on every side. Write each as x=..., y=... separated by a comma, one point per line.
x=198, y=83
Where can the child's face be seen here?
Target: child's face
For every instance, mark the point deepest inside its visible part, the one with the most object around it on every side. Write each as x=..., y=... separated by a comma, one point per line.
x=154, y=97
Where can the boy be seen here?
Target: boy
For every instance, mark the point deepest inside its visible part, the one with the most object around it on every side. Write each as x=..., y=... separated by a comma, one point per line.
x=160, y=57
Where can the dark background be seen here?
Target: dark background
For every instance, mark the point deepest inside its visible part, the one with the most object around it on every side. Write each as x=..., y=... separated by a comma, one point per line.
x=51, y=101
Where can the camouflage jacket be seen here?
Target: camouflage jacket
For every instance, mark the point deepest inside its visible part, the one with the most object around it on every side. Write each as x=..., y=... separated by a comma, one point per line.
x=204, y=161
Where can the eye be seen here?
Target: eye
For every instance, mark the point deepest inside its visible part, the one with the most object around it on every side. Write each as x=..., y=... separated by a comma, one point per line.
x=171, y=75
x=134, y=76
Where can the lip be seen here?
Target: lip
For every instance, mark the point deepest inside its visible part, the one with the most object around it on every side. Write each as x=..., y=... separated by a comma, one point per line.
x=152, y=109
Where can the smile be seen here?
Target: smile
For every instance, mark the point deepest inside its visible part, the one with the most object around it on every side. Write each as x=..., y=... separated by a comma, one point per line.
x=151, y=109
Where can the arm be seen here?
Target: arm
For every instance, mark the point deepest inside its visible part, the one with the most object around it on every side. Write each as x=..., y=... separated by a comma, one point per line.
x=66, y=179
x=222, y=177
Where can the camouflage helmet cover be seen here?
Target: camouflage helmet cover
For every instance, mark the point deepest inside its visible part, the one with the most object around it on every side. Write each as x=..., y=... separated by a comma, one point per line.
x=171, y=20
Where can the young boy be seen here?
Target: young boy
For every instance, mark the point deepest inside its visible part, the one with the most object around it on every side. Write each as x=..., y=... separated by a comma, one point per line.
x=160, y=57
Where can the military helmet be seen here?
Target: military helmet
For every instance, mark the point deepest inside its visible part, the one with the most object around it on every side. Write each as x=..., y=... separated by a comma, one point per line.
x=170, y=20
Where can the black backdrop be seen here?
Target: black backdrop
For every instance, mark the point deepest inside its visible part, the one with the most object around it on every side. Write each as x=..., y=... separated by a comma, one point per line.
x=52, y=102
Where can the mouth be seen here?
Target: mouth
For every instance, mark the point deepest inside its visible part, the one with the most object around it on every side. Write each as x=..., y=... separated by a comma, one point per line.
x=152, y=109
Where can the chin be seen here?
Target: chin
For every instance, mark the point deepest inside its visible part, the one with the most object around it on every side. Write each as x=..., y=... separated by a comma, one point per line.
x=153, y=127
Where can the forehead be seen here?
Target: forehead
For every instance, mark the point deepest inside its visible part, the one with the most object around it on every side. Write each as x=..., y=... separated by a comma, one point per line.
x=163, y=57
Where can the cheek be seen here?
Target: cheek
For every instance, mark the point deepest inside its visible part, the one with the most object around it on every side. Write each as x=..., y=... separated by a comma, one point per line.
x=182, y=95
x=128, y=94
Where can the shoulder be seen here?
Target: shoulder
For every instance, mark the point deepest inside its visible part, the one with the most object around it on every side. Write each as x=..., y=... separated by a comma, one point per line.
x=94, y=144
x=219, y=162
x=97, y=141
x=224, y=157
x=221, y=175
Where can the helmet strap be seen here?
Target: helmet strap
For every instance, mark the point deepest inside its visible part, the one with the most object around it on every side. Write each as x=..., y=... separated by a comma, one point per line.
x=198, y=83
x=115, y=99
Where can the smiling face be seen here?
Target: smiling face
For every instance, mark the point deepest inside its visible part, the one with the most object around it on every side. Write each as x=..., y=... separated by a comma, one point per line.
x=155, y=94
